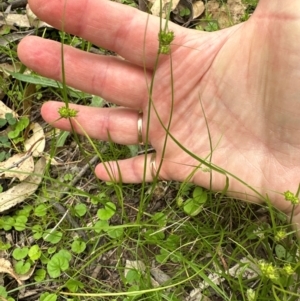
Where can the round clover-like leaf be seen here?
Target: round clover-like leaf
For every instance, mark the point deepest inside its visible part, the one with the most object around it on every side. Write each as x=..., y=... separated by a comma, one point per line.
x=66, y=254
x=200, y=195
x=191, y=207
x=39, y=275
x=53, y=237
x=7, y=222
x=73, y=285
x=22, y=267
x=37, y=231
x=48, y=297
x=57, y=265
x=115, y=232
x=20, y=253
x=40, y=210
x=280, y=251
x=34, y=253
x=80, y=209
x=20, y=223
x=3, y=292
x=101, y=226
x=78, y=246
x=107, y=212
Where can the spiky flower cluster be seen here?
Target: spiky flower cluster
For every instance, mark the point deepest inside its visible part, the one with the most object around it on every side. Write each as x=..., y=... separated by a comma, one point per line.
x=288, y=270
x=65, y=112
x=268, y=270
x=165, y=39
x=280, y=235
x=289, y=196
x=251, y=294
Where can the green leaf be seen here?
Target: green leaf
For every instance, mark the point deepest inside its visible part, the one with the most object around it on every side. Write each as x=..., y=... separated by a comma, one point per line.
x=101, y=226
x=68, y=177
x=98, y=198
x=22, y=124
x=22, y=267
x=97, y=101
x=20, y=223
x=78, y=246
x=40, y=210
x=25, y=211
x=5, y=143
x=48, y=297
x=66, y=254
x=39, y=275
x=34, y=252
x=154, y=236
x=107, y=212
x=62, y=137
x=134, y=149
x=10, y=118
x=172, y=242
x=2, y=122
x=115, y=232
x=7, y=223
x=194, y=205
x=37, y=231
x=46, y=82
x=163, y=256
x=280, y=251
x=2, y=156
x=36, y=79
x=73, y=285
x=3, y=292
x=53, y=237
x=4, y=246
x=200, y=195
x=160, y=218
x=184, y=12
x=13, y=134
x=57, y=265
x=20, y=253
x=133, y=276
x=80, y=209
x=191, y=207
x=51, y=250
x=44, y=259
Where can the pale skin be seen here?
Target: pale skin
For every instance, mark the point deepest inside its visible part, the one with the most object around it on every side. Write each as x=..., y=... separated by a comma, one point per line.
x=246, y=77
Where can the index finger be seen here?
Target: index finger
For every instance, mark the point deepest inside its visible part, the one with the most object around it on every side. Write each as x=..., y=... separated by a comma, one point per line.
x=120, y=28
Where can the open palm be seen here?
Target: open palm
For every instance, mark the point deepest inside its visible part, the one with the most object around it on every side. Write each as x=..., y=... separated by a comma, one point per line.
x=244, y=80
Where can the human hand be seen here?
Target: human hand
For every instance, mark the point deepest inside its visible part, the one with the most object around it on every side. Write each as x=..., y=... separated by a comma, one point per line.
x=245, y=79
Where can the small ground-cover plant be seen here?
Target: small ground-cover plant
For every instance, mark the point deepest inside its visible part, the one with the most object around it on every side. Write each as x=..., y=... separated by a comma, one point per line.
x=75, y=237
x=13, y=135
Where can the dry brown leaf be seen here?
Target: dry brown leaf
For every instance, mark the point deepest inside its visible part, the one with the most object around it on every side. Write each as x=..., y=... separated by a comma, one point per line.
x=155, y=9
x=6, y=68
x=160, y=276
x=53, y=162
x=22, y=191
x=18, y=20
x=36, y=143
x=17, y=166
x=198, y=9
x=6, y=267
x=227, y=15
x=4, y=109
x=34, y=20
x=26, y=276
x=134, y=265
